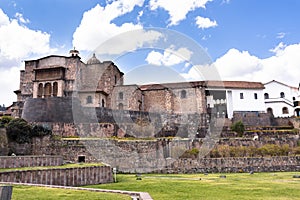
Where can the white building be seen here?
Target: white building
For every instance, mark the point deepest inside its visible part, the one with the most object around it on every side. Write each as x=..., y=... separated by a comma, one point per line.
x=280, y=98
x=235, y=96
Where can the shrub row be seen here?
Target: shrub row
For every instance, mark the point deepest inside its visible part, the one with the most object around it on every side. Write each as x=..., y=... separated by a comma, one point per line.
x=251, y=151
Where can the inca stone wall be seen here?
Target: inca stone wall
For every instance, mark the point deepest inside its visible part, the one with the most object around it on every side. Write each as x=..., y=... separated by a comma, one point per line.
x=221, y=165
x=65, y=177
x=29, y=161
x=66, y=117
x=3, y=142
x=254, y=118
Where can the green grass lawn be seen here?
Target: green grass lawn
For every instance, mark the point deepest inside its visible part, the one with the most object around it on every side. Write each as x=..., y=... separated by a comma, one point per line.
x=234, y=186
x=41, y=193
x=240, y=186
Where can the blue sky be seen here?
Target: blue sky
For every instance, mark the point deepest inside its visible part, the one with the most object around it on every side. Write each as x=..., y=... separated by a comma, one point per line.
x=256, y=40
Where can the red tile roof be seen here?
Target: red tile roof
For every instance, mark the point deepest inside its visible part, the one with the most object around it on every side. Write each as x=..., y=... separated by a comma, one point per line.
x=207, y=84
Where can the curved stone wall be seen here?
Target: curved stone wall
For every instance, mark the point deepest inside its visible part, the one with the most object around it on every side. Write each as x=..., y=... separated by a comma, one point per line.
x=66, y=177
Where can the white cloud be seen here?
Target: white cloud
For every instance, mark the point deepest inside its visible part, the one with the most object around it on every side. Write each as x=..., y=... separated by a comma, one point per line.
x=203, y=22
x=281, y=35
x=129, y=41
x=9, y=82
x=169, y=57
x=96, y=25
x=177, y=9
x=279, y=48
x=17, y=43
x=241, y=65
x=21, y=19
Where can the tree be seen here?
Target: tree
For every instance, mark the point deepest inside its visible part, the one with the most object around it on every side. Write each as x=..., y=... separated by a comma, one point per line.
x=19, y=130
x=238, y=127
x=40, y=131
x=5, y=120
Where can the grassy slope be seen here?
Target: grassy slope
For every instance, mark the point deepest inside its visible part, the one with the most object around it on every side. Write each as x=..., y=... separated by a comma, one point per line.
x=235, y=186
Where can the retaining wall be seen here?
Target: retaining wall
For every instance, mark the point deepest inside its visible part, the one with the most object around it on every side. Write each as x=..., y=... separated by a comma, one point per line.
x=29, y=161
x=65, y=177
x=247, y=164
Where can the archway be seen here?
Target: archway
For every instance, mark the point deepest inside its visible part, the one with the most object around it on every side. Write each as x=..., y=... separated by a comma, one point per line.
x=55, y=89
x=47, y=90
x=270, y=111
x=40, y=90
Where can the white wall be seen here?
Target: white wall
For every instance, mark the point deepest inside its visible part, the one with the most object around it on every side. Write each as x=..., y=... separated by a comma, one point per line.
x=275, y=102
x=274, y=89
x=277, y=109
x=248, y=103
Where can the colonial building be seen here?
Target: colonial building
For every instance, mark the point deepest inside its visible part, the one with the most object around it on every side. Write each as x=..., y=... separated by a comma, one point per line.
x=227, y=97
x=100, y=84
x=280, y=98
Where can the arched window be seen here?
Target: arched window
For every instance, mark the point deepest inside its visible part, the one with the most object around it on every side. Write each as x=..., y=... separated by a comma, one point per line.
x=115, y=79
x=120, y=106
x=266, y=95
x=40, y=90
x=282, y=95
x=270, y=111
x=183, y=94
x=103, y=103
x=89, y=100
x=121, y=95
x=55, y=89
x=285, y=110
x=47, y=90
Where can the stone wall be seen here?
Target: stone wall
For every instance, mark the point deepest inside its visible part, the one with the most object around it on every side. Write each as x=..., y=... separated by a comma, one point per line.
x=3, y=143
x=254, y=118
x=66, y=117
x=224, y=165
x=65, y=177
x=29, y=161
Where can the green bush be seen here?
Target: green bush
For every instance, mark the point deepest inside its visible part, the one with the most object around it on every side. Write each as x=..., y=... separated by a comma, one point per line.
x=191, y=153
x=238, y=127
x=19, y=130
x=40, y=131
x=5, y=120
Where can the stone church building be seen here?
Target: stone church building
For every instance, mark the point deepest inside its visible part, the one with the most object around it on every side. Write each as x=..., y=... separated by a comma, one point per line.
x=53, y=80
x=100, y=84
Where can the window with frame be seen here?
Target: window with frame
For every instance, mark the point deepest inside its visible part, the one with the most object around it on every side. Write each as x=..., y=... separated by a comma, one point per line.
x=255, y=95
x=121, y=95
x=241, y=95
x=183, y=94
x=266, y=95
x=285, y=110
x=89, y=100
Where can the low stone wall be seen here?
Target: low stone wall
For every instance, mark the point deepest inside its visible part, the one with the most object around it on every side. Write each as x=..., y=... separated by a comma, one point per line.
x=29, y=161
x=66, y=177
x=224, y=165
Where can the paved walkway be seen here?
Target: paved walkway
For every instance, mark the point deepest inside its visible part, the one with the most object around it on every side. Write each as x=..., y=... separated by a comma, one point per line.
x=134, y=195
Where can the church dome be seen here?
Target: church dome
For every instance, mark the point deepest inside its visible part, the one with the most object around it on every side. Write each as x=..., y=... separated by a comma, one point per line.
x=93, y=60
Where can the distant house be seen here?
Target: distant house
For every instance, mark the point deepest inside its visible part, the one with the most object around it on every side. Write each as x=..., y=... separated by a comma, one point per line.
x=280, y=98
